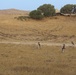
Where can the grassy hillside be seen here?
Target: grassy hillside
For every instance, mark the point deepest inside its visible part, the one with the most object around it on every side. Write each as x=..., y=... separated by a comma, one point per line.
x=55, y=29
x=21, y=59
x=13, y=12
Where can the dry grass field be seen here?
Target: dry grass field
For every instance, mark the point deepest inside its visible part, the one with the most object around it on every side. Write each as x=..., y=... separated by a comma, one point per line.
x=53, y=29
x=29, y=60
x=21, y=59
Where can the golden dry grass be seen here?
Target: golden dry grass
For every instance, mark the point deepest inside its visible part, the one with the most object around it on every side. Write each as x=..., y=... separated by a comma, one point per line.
x=56, y=29
x=29, y=60
x=13, y=12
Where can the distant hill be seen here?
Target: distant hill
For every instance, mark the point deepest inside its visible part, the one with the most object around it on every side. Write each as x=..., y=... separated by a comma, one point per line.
x=13, y=12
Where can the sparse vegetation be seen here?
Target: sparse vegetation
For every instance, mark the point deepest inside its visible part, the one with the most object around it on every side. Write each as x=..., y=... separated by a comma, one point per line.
x=22, y=18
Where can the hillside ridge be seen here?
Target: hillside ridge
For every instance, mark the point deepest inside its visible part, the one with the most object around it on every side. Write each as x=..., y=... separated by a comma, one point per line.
x=13, y=11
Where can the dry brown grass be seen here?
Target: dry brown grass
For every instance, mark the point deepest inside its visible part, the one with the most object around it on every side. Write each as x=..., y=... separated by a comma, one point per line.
x=13, y=12
x=29, y=60
x=56, y=29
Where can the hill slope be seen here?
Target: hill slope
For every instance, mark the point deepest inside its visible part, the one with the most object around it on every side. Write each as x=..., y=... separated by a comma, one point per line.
x=13, y=12
x=53, y=29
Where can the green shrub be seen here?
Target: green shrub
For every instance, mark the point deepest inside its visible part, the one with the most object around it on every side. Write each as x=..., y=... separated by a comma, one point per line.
x=22, y=18
x=47, y=10
x=67, y=9
x=36, y=14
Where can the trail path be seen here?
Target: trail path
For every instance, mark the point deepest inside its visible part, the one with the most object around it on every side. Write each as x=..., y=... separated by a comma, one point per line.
x=35, y=43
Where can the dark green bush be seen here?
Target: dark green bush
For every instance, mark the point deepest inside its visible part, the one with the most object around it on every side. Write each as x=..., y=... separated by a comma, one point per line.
x=47, y=10
x=67, y=9
x=36, y=14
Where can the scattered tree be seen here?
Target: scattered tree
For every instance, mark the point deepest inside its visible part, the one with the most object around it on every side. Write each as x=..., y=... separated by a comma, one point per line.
x=47, y=10
x=67, y=9
x=36, y=14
